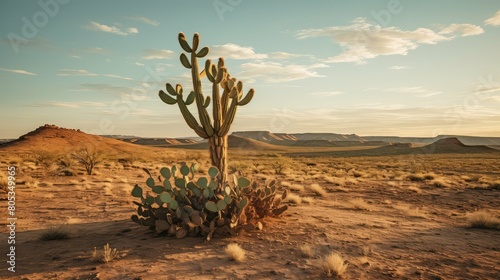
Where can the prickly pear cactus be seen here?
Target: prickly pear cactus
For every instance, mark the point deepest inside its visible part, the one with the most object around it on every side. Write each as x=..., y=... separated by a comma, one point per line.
x=180, y=204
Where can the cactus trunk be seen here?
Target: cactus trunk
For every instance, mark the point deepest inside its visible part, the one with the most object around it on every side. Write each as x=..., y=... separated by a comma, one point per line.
x=218, y=156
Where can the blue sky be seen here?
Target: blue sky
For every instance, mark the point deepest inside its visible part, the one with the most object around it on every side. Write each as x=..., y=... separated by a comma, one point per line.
x=407, y=68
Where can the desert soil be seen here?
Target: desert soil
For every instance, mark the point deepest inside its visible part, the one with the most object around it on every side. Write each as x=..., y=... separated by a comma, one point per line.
x=384, y=226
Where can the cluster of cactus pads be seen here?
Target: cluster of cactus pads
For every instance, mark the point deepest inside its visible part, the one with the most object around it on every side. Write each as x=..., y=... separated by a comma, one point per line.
x=179, y=203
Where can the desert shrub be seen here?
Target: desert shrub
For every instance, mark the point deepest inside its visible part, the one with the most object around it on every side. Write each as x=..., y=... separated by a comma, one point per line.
x=55, y=233
x=235, y=252
x=89, y=158
x=105, y=255
x=181, y=205
x=280, y=165
x=483, y=219
x=333, y=265
x=415, y=178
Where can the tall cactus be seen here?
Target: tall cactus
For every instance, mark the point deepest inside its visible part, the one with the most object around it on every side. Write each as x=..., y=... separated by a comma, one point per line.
x=223, y=107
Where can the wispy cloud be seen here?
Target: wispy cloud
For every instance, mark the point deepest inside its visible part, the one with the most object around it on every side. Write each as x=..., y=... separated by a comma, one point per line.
x=76, y=104
x=158, y=54
x=363, y=40
x=285, y=55
x=234, y=51
x=462, y=30
x=395, y=67
x=24, y=72
x=487, y=89
x=74, y=72
x=82, y=72
x=494, y=20
x=418, y=91
x=95, y=26
x=274, y=72
x=127, y=93
x=145, y=20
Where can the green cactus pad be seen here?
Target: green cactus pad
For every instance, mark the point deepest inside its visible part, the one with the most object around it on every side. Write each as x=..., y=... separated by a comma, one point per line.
x=150, y=200
x=135, y=218
x=184, y=170
x=243, y=182
x=206, y=193
x=183, y=42
x=180, y=183
x=243, y=203
x=173, y=205
x=150, y=182
x=185, y=61
x=202, y=183
x=165, y=172
x=211, y=206
x=221, y=205
x=171, y=90
x=137, y=191
x=212, y=185
x=227, y=199
x=158, y=189
x=167, y=185
x=166, y=198
x=167, y=99
x=203, y=52
x=190, y=98
x=213, y=172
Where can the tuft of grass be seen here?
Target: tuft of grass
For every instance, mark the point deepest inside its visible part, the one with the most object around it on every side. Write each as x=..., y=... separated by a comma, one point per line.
x=317, y=189
x=415, y=189
x=106, y=255
x=308, y=200
x=483, y=219
x=333, y=265
x=296, y=187
x=360, y=204
x=293, y=198
x=307, y=251
x=440, y=183
x=55, y=233
x=235, y=252
x=415, y=178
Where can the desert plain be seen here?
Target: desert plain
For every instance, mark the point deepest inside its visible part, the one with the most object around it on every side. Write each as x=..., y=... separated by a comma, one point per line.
x=389, y=211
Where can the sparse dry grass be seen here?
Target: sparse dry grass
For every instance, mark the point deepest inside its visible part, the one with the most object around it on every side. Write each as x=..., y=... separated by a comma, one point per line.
x=293, y=198
x=415, y=189
x=333, y=265
x=296, y=187
x=360, y=204
x=440, y=183
x=308, y=200
x=317, y=189
x=412, y=212
x=235, y=252
x=483, y=219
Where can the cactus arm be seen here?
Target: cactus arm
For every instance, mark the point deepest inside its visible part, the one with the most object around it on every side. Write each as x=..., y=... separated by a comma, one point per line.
x=231, y=112
x=189, y=118
x=202, y=112
x=245, y=100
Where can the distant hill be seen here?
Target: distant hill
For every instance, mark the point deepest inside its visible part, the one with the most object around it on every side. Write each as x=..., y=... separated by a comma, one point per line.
x=235, y=142
x=51, y=138
x=301, y=139
x=441, y=146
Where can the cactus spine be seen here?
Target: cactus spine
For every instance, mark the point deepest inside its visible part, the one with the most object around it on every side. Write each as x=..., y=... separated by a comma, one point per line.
x=223, y=107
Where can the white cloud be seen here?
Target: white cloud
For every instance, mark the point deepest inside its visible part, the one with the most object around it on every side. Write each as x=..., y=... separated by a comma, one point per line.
x=132, y=30
x=128, y=92
x=110, y=29
x=74, y=72
x=233, y=51
x=363, y=40
x=418, y=91
x=462, y=30
x=395, y=67
x=494, y=20
x=285, y=55
x=145, y=20
x=68, y=104
x=487, y=89
x=24, y=72
x=276, y=72
x=118, y=77
x=140, y=64
x=158, y=54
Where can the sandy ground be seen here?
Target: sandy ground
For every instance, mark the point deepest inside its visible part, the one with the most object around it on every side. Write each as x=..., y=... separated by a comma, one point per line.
x=385, y=227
